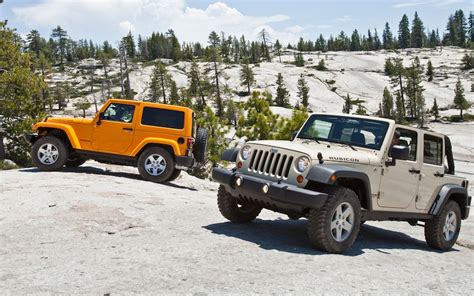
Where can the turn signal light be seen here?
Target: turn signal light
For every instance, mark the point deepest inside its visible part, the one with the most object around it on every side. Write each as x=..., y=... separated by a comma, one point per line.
x=239, y=164
x=333, y=178
x=300, y=179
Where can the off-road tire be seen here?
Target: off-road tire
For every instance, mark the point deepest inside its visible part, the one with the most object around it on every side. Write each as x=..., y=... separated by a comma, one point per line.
x=174, y=175
x=233, y=211
x=166, y=173
x=434, y=227
x=319, y=221
x=60, y=147
x=200, y=145
x=75, y=162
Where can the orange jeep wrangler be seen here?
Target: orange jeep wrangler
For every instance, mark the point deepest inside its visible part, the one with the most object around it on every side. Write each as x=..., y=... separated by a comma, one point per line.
x=161, y=140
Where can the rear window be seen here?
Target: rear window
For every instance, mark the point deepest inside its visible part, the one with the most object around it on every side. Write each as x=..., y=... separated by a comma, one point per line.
x=163, y=118
x=433, y=150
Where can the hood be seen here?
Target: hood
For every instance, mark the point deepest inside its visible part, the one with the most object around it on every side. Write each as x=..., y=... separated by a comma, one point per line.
x=331, y=152
x=70, y=120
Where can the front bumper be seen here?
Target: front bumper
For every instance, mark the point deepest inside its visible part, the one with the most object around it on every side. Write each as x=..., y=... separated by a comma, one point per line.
x=279, y=195
x=31, y=137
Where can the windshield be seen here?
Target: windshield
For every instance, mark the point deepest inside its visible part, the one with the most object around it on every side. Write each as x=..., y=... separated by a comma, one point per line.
x=345, y=130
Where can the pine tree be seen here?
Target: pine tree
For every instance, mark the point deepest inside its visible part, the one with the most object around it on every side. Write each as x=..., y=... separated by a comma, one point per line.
x=414, y=91
x=397, y=75
x=321, y=66
x=435, y=110
x=400, y=112
x=214, y=42
x=467, y=62
x=20, y=92
x=377, y=42
x=355, y=41
x=61, y=40
x=417, y=29
x=82, y=104
x=387, y=104
x=158, y=84
x=247, y=77
x=281, y=98
x=34, y=42
x=286, y=127
x=471, y=28
x=404, y=32
x=388, y=67
x=299, y=59
x=347, y=105
x=387, y=37
x=429, y=71
x=196, y=88
x=459, y=99
x=278, y=48
x=360, y=110
x=174, y=95
x=175, y=53
x=265, y=38
x=129, y=45
x=303, y=91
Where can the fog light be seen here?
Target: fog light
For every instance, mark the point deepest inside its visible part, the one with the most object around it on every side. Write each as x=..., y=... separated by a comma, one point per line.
x=239, y=164
x=265, y=188
x=238, y=181
x=300, y=179
x=333, y=178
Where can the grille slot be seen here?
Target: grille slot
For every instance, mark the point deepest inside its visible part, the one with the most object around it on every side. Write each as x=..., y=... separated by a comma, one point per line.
x=270, y=163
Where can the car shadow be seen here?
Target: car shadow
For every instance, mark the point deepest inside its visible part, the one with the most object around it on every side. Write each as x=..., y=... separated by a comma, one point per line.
x=290, y=236
x=98, y=171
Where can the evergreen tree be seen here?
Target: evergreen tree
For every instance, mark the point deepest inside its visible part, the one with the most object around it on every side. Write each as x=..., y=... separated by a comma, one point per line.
x=34, y=42
x=457, y=29
x=303, y=91
x=459, y=99
x=435, y=110
x=417, y=29
x=467, y=62
x=82, y=104
x=360, y=110
x=429, y=71
x=387, y=37
x=281, y=98
x=286, y=127
x=377, y=42
x=320, y=43
x=397, y=75
x=299, y=59
x=471, y=28
x=265, y=38
x=196, y=88
x=355, y=41
x=247, y=77
x=61, y=41
x=158, y=84
x=175, y=52
x=174, y=95
x=387, y=104
x=278, y=48
x=347, y=105
x=129, y=45
x=321, y=66
x=214, y=42
x=414, y=91
x=388, y=67
x=404, y=32
x=20, y=95
x=400, y=112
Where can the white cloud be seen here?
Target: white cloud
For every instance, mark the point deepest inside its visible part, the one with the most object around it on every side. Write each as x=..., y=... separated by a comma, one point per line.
x=344, y=19
x=431, y=2
x=324, y=27
x=111, y=19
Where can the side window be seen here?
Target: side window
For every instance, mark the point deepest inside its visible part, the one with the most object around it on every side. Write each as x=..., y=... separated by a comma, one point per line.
x=119, y=112
x=432, y=150
x=163, y=118
x=406, y=138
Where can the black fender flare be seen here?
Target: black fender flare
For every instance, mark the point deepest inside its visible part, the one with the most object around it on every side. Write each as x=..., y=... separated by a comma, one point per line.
x=230, y=154
x=323, y=174
x=455, y=192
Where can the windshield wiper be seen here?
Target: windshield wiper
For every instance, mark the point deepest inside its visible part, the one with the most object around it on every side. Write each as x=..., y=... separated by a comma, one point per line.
x=344, y=143
x=308, y=140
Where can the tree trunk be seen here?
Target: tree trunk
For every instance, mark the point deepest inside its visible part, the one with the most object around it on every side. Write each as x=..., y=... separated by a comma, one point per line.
x=2, y=147
x=162, y=79
x=218, y=99
x=248, y=87
x=121, y=75
x=461, y=113
x=107, y=80
x=129, y=90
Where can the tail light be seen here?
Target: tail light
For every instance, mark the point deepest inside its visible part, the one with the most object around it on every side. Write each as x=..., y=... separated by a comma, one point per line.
x=190, y=143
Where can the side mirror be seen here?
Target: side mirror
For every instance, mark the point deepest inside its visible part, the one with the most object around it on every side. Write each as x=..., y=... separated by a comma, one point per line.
x=397, y=152
x=293, y=135
x=101, y=116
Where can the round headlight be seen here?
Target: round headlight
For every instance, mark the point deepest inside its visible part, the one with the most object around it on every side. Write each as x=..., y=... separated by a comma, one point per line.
x=302, y=164
x=245, y=152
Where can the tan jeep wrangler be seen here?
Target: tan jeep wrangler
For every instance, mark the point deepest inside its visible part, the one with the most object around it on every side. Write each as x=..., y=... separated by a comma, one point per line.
x=160, y=140
x=342, y=170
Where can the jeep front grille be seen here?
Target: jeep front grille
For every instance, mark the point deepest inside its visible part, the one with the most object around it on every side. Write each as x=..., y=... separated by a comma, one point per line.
x=270, y=163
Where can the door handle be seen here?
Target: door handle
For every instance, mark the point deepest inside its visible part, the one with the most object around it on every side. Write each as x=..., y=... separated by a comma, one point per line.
x=438, y=174
x=127, y=129
x=414, y=171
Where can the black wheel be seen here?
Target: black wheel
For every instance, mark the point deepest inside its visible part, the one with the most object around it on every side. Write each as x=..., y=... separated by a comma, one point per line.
x=49, y=153
x=334, y=227
x=174, y=175
x=442, y=231
x=200, y=145
x=235, y=211
x=156, y=164
x=74, y=162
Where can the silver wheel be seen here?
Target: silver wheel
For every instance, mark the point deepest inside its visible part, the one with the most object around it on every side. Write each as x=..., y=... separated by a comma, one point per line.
x=450, y=225
x=155, y=164
x=342, y=222
x=48, y=154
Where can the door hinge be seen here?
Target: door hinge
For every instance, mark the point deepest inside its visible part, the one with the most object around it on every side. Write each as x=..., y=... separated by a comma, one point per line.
x=378, y=195
x=417, y=198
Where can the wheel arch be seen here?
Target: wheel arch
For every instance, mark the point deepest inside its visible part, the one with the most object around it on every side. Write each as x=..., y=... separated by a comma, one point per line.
x=64, y=132
x=150, y=145
x=453, y=192
x=344, y=176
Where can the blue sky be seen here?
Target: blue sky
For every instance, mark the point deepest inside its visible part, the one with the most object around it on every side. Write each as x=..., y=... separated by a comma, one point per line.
x=192, y=20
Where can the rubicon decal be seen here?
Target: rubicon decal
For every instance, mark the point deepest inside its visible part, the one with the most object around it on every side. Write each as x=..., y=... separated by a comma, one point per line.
x=347, y=159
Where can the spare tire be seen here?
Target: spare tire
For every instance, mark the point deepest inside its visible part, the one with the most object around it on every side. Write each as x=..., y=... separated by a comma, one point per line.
x=200, y=145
